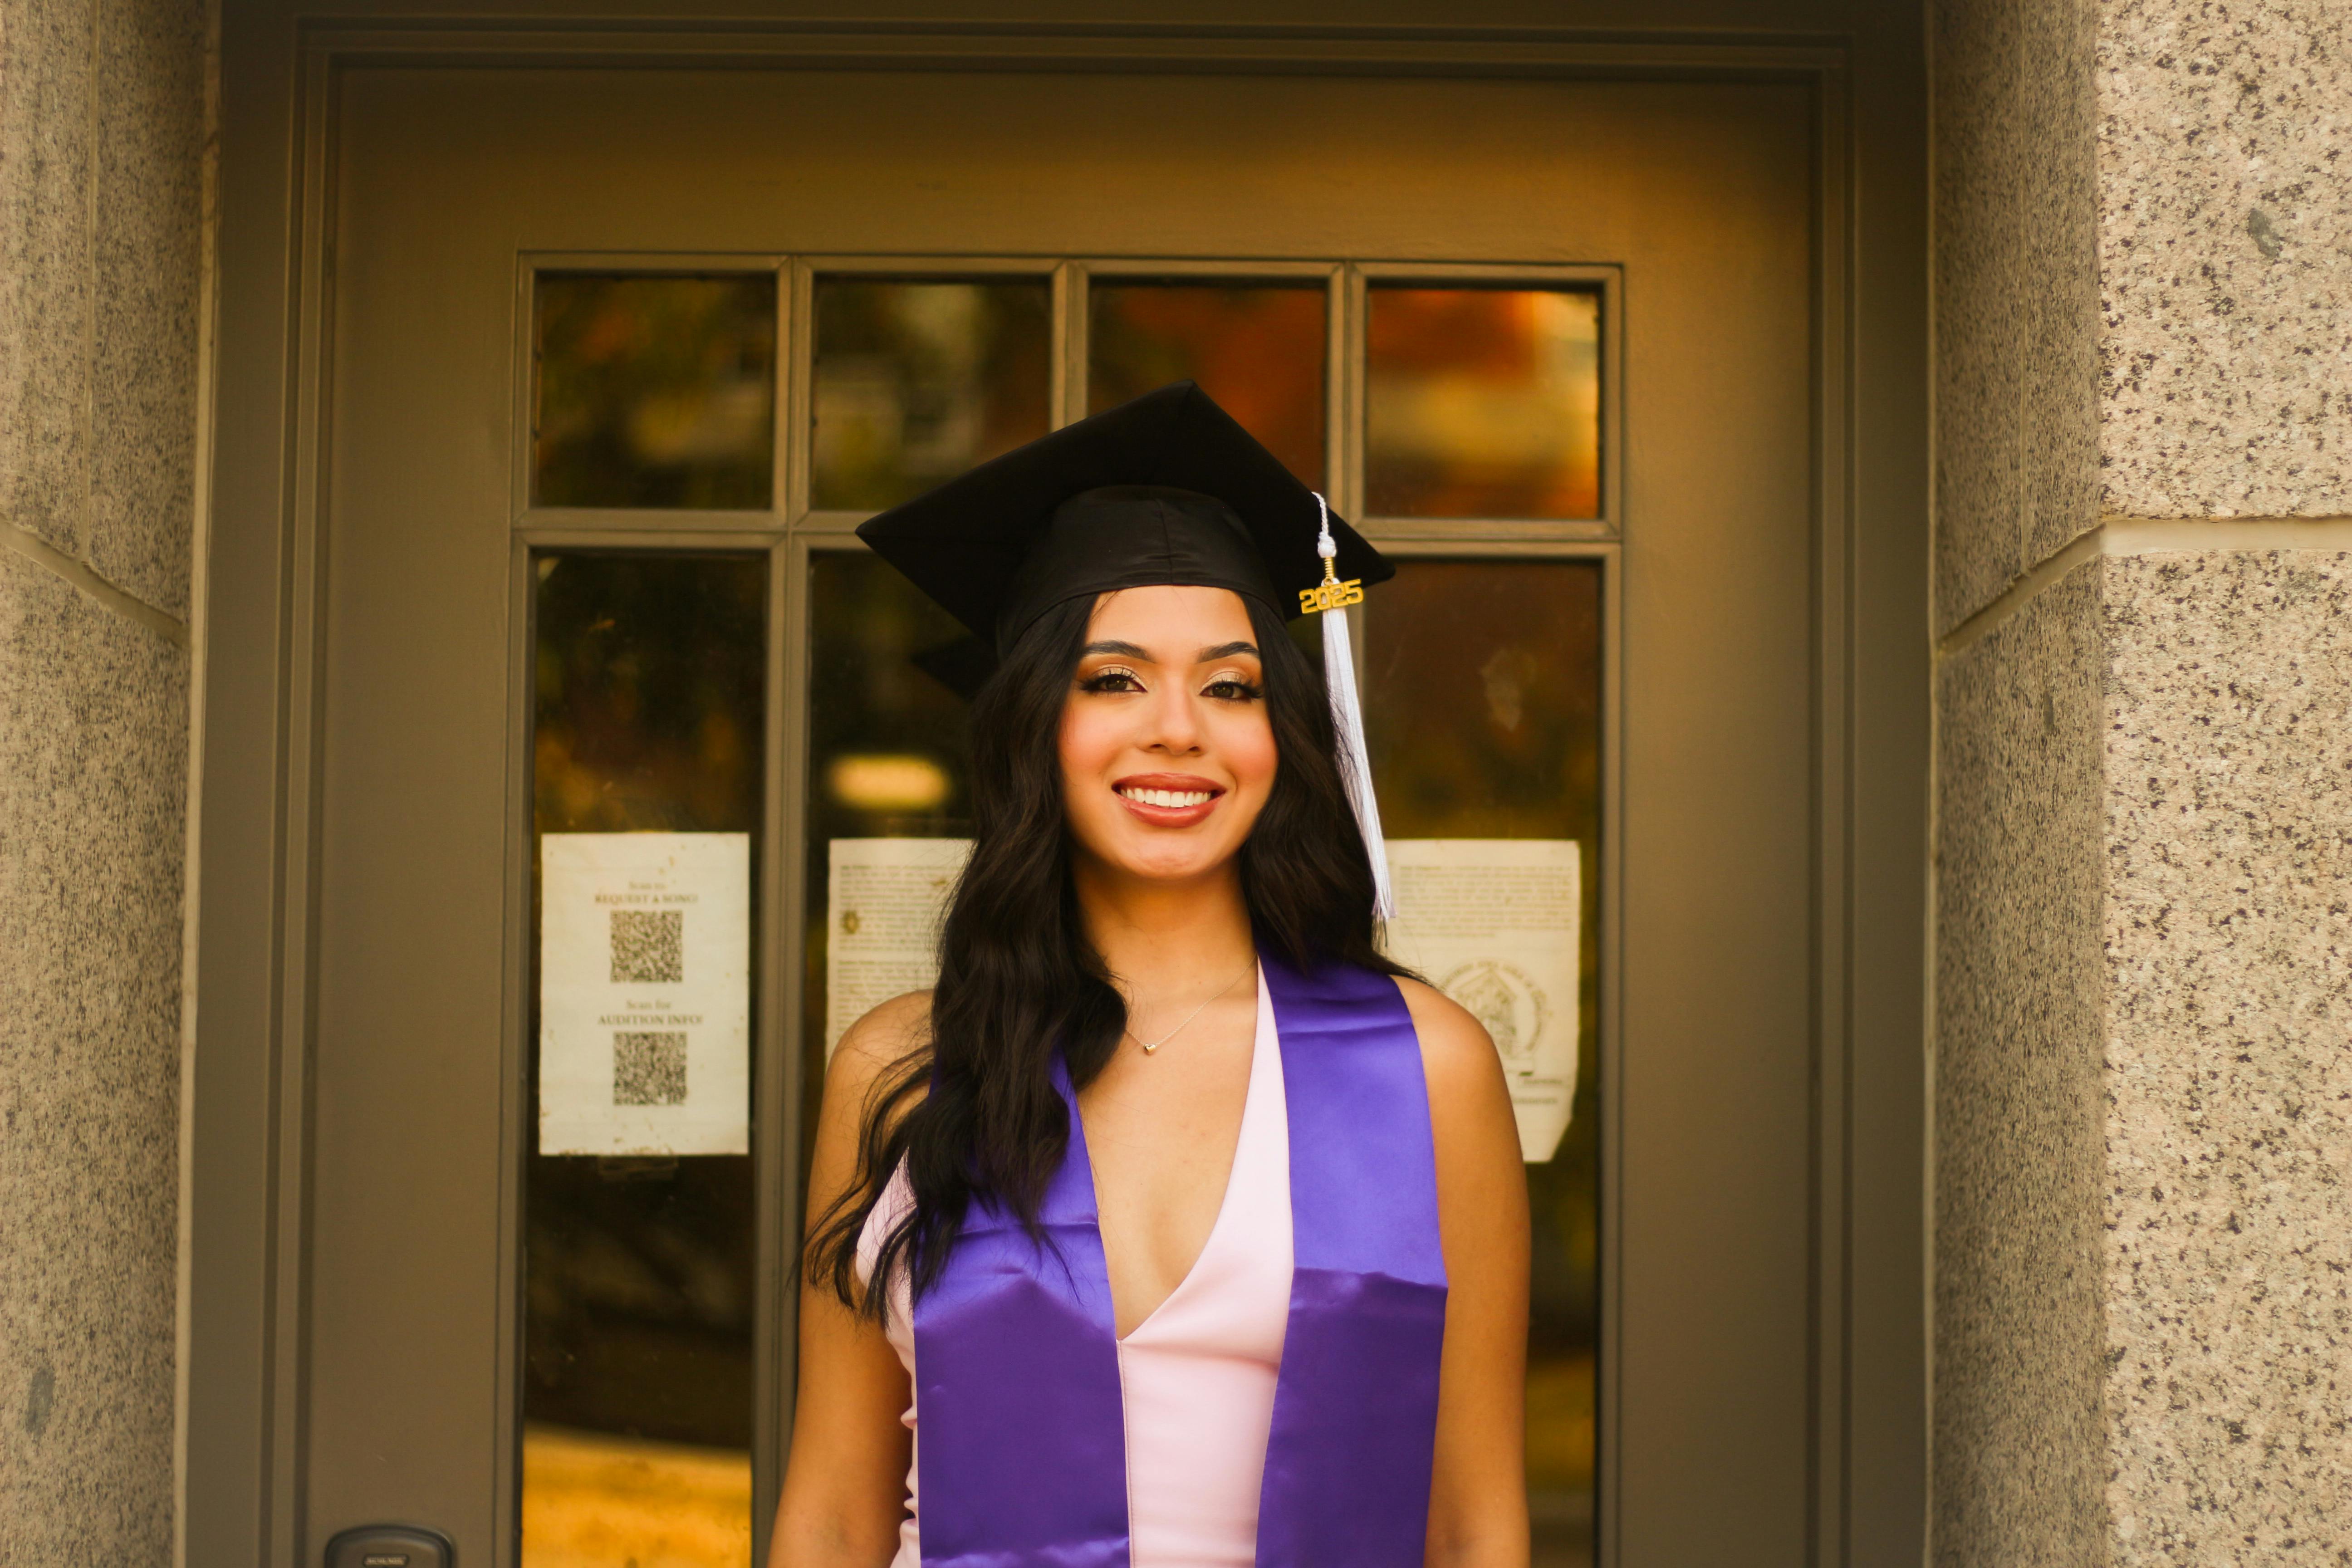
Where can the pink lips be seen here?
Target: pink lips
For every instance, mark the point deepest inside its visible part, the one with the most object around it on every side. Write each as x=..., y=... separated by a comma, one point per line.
x=1169, y=800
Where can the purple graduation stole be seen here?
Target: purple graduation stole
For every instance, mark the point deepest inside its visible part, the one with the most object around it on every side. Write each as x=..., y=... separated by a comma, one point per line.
x=1020, y=1428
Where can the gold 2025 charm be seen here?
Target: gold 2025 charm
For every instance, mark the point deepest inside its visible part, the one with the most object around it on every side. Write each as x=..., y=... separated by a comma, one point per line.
x=1330, y=595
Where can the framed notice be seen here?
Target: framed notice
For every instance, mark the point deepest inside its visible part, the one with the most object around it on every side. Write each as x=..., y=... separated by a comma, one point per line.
x=645, y=994
x=884, y=901
x=1493, y=923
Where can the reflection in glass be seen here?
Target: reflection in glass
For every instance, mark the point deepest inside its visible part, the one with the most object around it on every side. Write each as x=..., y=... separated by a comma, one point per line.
x=1483, y=718
x=916, y=382
x=654, y=391
x=1257, y=349
x=1483, y=402
x=638, y=1273
x=886, y=745
x=591, y=1501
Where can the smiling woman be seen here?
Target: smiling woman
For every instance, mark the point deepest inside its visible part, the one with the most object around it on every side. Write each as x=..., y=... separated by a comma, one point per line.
x=1239, y=1349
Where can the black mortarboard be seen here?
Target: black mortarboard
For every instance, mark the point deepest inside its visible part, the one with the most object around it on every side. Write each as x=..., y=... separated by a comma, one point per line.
x=1167, y=489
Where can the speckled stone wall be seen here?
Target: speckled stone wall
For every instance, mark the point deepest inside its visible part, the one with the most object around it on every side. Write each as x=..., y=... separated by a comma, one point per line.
x=93, y=762
x=2228, y=710
x=2143, y=765
x=2225, y=258
x=2225, y=251
x=102, y=147
x=2017, y=1441
x=2017, y=293
x=2018, y=1438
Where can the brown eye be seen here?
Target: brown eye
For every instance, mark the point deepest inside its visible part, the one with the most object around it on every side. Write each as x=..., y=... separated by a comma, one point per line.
x=1231, y=688
x=1112, y=680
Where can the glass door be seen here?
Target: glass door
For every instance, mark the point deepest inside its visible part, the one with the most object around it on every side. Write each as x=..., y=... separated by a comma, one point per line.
x=614, y=781
x=748, y=794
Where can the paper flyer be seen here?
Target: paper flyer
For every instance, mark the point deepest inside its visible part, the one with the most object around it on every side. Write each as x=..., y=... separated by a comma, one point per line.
x=1493, y=923
x=884, y=901
x=645, y=994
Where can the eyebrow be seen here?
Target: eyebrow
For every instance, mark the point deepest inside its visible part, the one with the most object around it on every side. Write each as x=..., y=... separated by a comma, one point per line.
x=1132, y=650
x=1206, y=655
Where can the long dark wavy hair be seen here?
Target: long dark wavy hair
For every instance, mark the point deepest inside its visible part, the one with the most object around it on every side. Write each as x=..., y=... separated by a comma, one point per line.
x=1019, y=979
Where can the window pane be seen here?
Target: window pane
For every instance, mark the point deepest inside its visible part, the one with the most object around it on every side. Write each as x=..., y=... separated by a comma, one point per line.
x=887, y=753
x=916, y=382
x=1483, y=402
x=638, y=1271
x=1257, y=349
x=1483, y=718
x=654, y=392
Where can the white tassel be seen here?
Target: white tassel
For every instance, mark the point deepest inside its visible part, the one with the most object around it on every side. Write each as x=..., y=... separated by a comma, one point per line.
x=1347, y=718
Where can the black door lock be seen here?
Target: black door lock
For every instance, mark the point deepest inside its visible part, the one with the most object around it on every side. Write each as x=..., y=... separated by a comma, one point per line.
x=391, y=1546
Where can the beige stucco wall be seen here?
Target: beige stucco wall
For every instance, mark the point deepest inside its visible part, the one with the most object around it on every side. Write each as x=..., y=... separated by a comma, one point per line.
x=2144, y=948
x=101, y=146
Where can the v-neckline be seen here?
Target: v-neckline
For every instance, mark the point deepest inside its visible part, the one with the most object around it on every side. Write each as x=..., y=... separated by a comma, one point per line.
x=1258, y=1021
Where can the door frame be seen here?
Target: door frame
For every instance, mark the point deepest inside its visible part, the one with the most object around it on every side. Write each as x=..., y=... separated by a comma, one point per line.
x=259, y=634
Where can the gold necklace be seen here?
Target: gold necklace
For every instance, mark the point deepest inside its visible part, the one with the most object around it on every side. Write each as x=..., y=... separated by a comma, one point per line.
x=1152, y=1045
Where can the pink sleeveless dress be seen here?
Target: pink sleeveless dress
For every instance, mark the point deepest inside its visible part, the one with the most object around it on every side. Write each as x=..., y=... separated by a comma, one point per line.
x=1197, y=1376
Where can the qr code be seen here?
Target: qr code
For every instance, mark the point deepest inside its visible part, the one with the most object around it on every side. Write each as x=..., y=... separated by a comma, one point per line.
x=649, y=947
x=650, y=1067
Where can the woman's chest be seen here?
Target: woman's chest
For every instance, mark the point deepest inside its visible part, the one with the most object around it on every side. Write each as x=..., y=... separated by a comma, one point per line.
x=1163, y=1138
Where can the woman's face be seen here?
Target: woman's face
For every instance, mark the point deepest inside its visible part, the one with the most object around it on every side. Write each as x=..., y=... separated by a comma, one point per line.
x=1167, y=753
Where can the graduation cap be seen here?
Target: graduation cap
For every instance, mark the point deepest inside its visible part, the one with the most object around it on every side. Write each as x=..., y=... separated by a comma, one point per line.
x=1168, y=488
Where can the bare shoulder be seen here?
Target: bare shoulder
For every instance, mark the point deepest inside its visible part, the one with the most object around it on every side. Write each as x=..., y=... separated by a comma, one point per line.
x=1457, y=1052
x=875, y=1043
x=888, y=1034
x=1481, y=1192
x=860, y=1072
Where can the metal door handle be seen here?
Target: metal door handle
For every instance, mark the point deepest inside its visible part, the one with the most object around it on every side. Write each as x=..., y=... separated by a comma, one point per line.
x=391, y=1546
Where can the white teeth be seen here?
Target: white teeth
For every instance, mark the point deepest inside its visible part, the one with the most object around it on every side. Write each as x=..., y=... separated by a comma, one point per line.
x=1178, y=798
